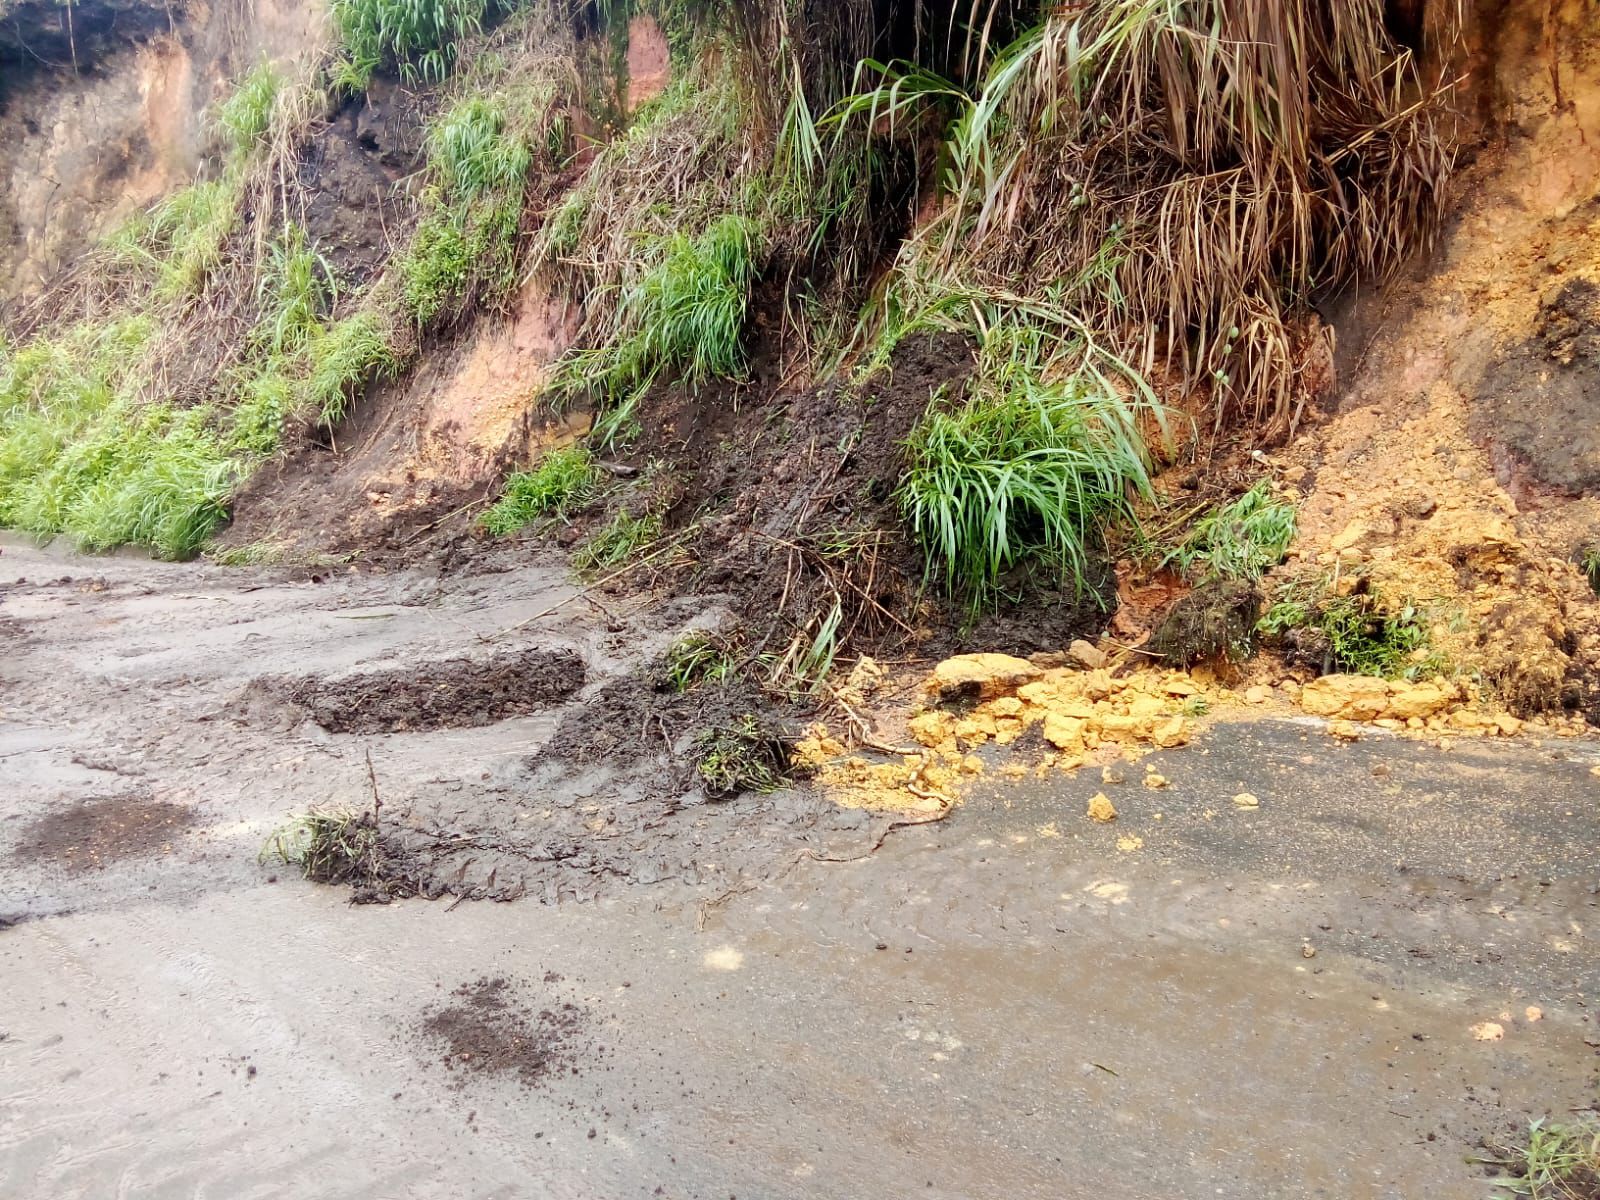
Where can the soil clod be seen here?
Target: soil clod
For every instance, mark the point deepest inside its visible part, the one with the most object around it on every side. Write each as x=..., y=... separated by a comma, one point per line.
x=450, y=694
x=490, y=1028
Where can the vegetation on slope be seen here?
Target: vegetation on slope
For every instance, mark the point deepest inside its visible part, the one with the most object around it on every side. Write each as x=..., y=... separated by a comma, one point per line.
x=1121, y=192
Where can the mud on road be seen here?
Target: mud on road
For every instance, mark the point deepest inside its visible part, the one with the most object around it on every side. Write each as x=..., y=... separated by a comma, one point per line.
x=1194, y=1000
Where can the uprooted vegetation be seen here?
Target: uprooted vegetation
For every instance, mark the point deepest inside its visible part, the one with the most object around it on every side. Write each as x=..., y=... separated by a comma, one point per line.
x=1560, y=1161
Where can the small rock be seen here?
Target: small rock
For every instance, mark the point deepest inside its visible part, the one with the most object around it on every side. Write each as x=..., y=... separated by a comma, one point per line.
x=1087, y=656
x=1246, y=800
x=1488, y=1031
x=1259, y=694
x=987, y=675
x=1533, y=1012
x=1101, y=809
x=1308, y=951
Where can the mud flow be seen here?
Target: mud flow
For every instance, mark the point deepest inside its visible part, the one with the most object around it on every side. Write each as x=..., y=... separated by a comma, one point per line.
x=450, y=694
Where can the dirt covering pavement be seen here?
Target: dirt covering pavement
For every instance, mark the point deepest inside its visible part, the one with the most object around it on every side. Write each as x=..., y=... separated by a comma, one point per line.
x=770, y=995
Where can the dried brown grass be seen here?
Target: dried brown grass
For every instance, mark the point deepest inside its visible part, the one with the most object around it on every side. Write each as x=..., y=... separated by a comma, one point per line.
x=1187, y=175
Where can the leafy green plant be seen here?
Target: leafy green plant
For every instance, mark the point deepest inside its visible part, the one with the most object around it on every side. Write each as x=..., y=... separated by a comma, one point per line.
x=1359, y=633
x=480, y=156
x=1561, y=1161
x=742, y=757
x=563, y=479
x=1589, y=564
x=420, y=37
x=1240, y=540
x=618, y=540
x=1030, y=465
x=697, y=658
x=685, y=316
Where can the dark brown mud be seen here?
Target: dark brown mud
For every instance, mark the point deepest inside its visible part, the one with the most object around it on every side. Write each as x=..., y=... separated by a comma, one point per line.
x=453, y=694
x=89, y=834
x=493, y=1026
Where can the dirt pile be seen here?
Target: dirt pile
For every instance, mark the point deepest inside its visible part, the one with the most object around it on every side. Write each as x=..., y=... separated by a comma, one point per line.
x=449, y=694
x=1453, y=471
x=489, y=1027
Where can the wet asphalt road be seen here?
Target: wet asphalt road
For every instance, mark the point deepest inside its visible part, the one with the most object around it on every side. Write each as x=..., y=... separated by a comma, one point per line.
x=1277, y=1002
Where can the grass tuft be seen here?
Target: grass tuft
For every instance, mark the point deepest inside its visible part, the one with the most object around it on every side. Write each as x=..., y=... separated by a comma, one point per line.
x=1029, y=466
x=742, y=757
x=563, y=480
x=697, y=658
x=329, y=847
x=420, y=37
x=245, y=117
x=615, y=542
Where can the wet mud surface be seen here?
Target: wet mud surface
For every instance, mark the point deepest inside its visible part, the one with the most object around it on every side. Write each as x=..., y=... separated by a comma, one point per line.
x=444, y=695
x=88, y=834
x=1192, y=1001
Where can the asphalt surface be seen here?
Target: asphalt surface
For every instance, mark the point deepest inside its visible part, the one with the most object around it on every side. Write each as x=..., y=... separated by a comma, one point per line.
x=1195, y=1000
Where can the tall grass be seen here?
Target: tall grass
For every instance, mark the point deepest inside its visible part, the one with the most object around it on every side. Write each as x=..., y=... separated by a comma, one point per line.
x=1220, y=158
x=1029, y=466
x=80, y=455
x=509, y=130
x=419, y=37
x=245, y=117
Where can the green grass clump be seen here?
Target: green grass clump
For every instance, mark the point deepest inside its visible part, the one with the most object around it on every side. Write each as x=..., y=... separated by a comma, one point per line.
x=470, y=149
x=329, y=847
x=615, y=542
x=563, y=479
x=1561, y=1161
x=245, y=117
x=1029, y=466
x=80, y=455
x=1357, y=634
x=1240, y=540
x=697, y=658
x=420, y=37
x=294, y=290
x=187, y=233
x=344, y=358
x=480, y=156
x=684, y=317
